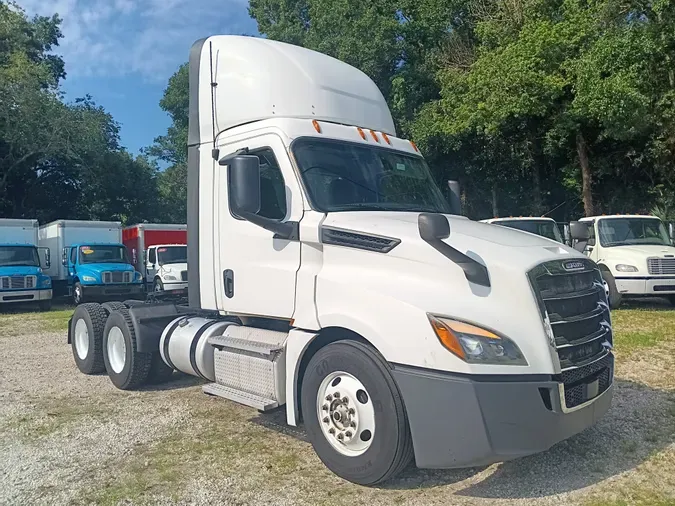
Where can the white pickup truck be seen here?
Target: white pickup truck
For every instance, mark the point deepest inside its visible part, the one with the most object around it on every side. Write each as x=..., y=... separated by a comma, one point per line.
x=635, y=254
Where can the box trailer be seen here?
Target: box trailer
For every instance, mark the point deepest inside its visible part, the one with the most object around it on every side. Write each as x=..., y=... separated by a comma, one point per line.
x=94, y=264
x=159, y=252
x=22, y=264
x=328, y=274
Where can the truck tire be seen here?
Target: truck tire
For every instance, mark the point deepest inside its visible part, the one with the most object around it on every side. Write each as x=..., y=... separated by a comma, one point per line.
x=362, y=433
x=127, y=368
x=158, y=286
x=78, y=294
x=159, y=371
x=614, y=294
x=87, y=337
x=111, y=306
x=45, y=305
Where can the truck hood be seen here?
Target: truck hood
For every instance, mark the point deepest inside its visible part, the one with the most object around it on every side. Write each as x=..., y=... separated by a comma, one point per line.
x=20, y=270
x=639, y=251
x=483, y=242
x=173, y=268
x=100, y=267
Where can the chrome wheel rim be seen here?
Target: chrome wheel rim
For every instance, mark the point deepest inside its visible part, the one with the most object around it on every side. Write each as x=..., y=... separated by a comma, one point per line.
x=81, y=339
x=117, y=350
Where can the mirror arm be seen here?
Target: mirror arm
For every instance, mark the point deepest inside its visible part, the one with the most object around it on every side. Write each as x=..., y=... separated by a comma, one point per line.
x=289, y=230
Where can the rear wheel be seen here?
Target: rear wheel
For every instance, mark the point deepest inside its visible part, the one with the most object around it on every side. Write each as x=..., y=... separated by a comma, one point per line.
x=354, y=413
x=87, y=338
x=127, y=368
x=614, y=294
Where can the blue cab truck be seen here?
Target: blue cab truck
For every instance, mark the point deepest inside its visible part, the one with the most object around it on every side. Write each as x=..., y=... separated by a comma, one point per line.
x=95, y=265
x=22, y=279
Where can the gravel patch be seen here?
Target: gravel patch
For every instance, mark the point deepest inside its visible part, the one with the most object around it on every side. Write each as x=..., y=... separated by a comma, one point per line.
x=67, y=438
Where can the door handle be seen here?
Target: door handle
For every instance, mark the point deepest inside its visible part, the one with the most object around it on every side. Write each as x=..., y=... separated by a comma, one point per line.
x=228, y=283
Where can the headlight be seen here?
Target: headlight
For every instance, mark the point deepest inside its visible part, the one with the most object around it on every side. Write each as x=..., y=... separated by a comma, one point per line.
x=138, y=276
x=626, y=268
x=46, y=281
x=476, y=345
x=170, y=277
x=89, y=279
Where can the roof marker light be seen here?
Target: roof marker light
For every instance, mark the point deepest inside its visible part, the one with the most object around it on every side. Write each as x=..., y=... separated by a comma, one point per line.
x=414, y=146
x=386, y=138
x=377, y=139
x=361, y=133
x=317, y=127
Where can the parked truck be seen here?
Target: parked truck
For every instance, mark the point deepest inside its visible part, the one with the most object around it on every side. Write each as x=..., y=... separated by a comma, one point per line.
x=330, y=278
x=543, y=226
x=635, y=254
x=22, y=279
x=159, y=252
x=94, y=263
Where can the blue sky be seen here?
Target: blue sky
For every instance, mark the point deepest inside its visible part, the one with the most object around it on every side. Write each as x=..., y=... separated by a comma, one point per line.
x=122, y=52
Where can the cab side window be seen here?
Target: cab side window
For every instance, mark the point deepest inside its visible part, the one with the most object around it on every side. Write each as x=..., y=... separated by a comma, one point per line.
x=73, y=255
x=272, y=186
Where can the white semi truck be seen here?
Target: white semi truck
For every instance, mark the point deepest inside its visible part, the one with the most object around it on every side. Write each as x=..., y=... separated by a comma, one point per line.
x=635, y=255
x=329, y=278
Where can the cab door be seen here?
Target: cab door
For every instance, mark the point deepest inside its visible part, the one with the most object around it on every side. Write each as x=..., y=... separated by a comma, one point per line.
x=151, y=265
x=256, y=272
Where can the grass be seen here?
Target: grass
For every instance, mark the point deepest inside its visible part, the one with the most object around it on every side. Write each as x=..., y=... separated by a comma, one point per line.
x=32, y=319
x=635, y=497
x=637, y=329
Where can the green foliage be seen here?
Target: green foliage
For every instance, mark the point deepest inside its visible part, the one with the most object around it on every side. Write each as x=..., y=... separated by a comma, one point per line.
x=60, y=160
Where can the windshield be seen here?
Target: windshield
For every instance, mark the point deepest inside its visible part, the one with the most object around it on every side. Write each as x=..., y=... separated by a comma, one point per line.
x=172, y=255
x=632, y=231
x=103, y=255
x=544, y=228
x=19, y=255
x=342, y=176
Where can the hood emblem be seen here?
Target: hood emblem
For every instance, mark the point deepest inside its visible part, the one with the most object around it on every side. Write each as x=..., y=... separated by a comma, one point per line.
x=573, y=265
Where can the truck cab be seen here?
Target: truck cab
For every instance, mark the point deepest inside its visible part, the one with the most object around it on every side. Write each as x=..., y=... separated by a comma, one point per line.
x=634, y=253
x=22, y=279
x=328, y=274
x=542, y=226
x=101, y=272
x=166, y=267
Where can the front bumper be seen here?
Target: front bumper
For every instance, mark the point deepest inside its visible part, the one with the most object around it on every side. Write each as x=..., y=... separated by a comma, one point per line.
x=458, y=421
x=110, y=292
x=645, y=285
x=175, y=285
x=25, y=295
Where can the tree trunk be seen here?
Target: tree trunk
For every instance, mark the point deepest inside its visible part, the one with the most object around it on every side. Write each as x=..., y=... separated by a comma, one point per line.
x=495, y=209
x=586, y=180
x=536, y=191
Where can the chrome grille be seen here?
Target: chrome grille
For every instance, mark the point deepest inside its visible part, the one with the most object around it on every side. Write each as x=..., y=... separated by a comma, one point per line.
x=661, y=266
x=116, y=277
x=18, y=282
x=576, y=307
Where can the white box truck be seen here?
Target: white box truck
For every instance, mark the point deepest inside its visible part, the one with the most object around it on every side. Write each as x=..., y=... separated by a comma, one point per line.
x=22, y=279
x=635, y=254
x=328, y=275
x=94, y=264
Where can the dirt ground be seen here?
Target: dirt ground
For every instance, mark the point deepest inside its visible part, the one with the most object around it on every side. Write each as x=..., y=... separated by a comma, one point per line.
x=67, y=438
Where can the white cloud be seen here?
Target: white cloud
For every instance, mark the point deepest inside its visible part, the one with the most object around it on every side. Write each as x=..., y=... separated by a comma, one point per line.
x=149, y=38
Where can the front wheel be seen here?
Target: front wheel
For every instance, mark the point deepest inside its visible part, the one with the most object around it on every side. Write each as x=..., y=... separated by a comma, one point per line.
x=158, y=286
x=614, y=294
x=78, y=297
x=354, y=413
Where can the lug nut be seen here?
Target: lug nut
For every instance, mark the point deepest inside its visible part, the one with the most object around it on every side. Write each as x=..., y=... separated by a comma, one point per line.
x=348, y=433
x=353, y=425
x=331, y=430
x=325, y=407
x=340, y=436
x=326, y=420
x=329, y=397
x=345, y=400
x=336, y=395
x=351, y=411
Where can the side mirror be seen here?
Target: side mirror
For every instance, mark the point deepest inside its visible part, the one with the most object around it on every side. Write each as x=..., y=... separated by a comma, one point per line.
x=244, y=184
x=64, y=259
x=433, y=227
x=134, y=258
x=580, y=231
x=48, y=258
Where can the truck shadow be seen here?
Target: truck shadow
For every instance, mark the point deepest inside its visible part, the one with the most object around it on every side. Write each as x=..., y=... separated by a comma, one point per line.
x=640, y=423
x=177, y=381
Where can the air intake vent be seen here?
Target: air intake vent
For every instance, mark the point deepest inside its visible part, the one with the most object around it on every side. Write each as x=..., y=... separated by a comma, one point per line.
x=358, y=240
